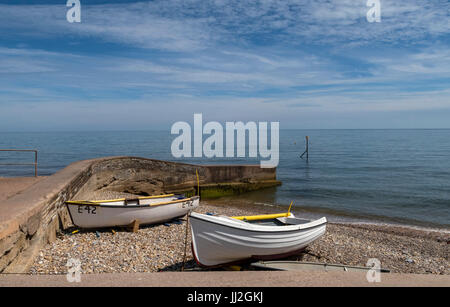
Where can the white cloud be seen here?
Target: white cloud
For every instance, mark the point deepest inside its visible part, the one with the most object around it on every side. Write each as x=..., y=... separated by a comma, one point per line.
x=196, y=25
x=223, y=56
x=424, y=63
x=10, y=66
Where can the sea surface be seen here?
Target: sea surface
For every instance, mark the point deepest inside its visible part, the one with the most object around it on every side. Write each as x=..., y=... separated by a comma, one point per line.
x=387, y=176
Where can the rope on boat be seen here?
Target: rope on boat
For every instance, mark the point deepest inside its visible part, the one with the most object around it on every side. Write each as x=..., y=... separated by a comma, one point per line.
x=187, y=223
x=185, y=240
x=198, y=183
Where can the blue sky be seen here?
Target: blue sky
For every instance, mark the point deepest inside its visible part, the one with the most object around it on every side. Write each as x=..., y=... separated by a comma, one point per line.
x=146, y=65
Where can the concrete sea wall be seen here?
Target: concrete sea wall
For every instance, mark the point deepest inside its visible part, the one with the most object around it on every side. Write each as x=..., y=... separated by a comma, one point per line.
x=32, y=218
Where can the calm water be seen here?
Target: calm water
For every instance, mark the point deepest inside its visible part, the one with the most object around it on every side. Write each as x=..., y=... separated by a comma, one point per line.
x=400, y=176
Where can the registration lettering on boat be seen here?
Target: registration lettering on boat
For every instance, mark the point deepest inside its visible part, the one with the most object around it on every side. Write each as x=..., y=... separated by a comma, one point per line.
x=87, y=209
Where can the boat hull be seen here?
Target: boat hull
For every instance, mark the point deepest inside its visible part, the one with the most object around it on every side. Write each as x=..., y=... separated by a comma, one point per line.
x=110, y=215
x=217, y=241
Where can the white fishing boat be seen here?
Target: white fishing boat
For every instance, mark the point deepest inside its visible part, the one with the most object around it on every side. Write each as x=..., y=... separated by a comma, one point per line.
x=122, y=212
x=220, y=240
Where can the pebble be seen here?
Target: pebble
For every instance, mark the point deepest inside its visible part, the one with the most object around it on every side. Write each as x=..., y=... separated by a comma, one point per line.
x=160, y=248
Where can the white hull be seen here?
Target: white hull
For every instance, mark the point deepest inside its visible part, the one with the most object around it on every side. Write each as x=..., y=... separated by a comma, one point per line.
x=117, y=213
x=218, y=240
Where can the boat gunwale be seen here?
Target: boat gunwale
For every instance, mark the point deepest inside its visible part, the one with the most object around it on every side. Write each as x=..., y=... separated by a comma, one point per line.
x=96, y=203
x=259, y=228
x=119, y=199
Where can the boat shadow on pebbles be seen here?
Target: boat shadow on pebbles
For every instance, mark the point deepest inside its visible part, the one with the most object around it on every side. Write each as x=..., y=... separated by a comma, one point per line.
x=73, y=230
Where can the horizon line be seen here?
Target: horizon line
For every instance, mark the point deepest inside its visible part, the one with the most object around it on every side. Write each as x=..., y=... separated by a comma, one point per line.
x=168, y=130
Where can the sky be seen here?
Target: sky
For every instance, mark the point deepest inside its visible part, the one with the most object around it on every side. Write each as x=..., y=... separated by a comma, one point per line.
x=310, y=64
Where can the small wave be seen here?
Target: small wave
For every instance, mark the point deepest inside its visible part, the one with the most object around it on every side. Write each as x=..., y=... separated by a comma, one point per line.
x=385, y=224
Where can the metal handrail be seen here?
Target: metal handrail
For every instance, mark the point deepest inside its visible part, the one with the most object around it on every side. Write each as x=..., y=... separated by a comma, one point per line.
x=24, y=150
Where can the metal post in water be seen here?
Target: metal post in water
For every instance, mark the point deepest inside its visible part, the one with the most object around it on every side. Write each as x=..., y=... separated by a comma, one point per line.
x=307, y=149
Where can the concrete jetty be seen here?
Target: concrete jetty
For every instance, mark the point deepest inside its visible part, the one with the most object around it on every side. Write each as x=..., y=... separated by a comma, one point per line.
x=12, y=186
x=32, y=210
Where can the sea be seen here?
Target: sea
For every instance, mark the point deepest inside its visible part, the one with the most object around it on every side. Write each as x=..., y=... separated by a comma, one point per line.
x=375, y=176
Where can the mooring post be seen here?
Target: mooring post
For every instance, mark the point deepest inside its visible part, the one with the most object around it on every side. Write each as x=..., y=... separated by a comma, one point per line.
x=306, y=150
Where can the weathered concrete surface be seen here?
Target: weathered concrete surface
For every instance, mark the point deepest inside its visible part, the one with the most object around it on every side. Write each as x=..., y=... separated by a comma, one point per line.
x=148, y=177
x=31, y=218
x=26, y=216
x=228, y=279
x=11, y=186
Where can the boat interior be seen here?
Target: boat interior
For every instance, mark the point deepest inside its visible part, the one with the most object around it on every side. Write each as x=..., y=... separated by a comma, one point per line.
x=281, y=221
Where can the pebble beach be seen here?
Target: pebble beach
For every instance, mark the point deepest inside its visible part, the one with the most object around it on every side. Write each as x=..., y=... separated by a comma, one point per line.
x=164, y=247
